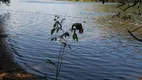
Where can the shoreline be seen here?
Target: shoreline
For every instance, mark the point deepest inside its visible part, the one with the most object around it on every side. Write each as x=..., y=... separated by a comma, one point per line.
x=10, y=70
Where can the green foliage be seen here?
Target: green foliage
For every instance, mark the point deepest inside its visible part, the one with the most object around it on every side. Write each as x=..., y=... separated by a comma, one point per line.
x=77, y=26
x=75, y=37
x=62, y=38
x=73, y=31
x=57, y=25
x=50, y=62
x=53, y=30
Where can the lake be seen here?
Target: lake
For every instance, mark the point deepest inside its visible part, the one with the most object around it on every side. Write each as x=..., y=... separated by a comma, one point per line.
x=104, y=52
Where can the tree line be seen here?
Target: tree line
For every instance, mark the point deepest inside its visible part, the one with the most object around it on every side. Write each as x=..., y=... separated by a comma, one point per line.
x=97, y=0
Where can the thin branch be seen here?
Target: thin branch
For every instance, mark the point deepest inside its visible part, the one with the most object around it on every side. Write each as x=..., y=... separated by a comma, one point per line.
x=134, y=36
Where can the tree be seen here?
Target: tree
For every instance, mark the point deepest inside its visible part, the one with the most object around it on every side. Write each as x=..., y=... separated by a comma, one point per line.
x=124, y=6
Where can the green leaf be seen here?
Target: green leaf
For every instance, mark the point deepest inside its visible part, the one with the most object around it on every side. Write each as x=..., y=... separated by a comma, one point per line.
x=66, y=34
x=75, y=37
x=52, y=39
x=53, y=30
x=55, y=19
x=77, y=26
x=55, y=25
x=50, y=62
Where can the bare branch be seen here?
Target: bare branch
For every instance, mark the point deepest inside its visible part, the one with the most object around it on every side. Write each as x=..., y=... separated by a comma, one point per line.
x=134, y=36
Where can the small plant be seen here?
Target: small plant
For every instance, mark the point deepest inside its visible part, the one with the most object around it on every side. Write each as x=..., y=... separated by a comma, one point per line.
x=73, y=32
x=76, y=27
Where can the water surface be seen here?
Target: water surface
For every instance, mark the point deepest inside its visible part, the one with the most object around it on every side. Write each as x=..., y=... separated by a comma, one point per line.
x=104, y=52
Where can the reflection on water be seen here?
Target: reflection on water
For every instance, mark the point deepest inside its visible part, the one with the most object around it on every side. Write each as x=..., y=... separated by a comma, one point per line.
x=8, y=68
x=104, y=52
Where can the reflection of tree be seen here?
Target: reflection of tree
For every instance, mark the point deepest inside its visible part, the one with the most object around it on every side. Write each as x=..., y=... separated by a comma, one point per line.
x=3, y=18
x=9, y=70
